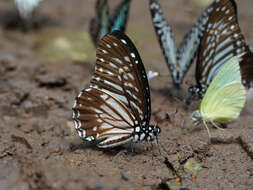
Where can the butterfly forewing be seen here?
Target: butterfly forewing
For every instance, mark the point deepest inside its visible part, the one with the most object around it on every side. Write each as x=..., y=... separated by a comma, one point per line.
x=120, y=72
x=103, y=12
x=190, y=45
x=99, y=116
x=164, y=35
x=103, y=23
x=99, y=25
x=119, y=18
x=246, y=65
x=221, y=41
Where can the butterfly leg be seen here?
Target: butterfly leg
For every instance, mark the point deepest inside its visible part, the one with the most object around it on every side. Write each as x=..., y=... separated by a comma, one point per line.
x=149, y=146
x=132, y=146
x=158, y=144
x=205, y=124
x=214, y=124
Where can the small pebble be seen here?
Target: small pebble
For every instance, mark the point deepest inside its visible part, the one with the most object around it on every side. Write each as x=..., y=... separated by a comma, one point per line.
x=124, y=176
x=99, y=185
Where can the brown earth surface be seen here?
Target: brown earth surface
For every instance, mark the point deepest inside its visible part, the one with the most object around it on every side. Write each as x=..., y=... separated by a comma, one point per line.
x=38, y=83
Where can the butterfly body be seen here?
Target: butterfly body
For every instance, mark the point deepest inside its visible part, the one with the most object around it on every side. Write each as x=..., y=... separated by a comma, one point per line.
x=116, y=108
x=225, y=97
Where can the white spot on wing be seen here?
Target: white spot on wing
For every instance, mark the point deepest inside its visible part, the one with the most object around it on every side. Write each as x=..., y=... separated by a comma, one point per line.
x=117, y=60
x=121, y=71
x=123, y=41
x=127, y=58
x=104, y=51
x=113, y=65
x=130, y=75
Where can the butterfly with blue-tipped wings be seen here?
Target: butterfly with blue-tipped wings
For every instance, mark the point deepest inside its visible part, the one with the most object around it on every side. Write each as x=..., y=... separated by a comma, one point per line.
x=180, y=60
x=222, y=40
x=103, y=23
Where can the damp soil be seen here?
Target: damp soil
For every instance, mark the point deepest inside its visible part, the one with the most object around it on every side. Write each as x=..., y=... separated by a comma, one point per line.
x=42, y=70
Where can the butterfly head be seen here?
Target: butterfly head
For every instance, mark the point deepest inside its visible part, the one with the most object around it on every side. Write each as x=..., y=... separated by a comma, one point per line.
x=197, y=91
x=196, y=117
x=146, y=133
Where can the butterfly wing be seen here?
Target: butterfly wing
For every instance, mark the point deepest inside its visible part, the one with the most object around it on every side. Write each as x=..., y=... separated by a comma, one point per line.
x=189, y=46
x=164, y=35
x=119, y=18
x=100, y=24
x=101, y=117
x=221, y=41
x=246, y=65
x=120, y=72
x=225, y=96
x=25, y=8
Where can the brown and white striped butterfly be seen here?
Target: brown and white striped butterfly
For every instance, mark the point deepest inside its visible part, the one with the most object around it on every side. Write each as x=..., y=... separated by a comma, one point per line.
x=116, y=107
x=221, y=41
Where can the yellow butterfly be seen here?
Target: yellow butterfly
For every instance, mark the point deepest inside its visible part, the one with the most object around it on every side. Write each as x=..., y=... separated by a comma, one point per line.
x=224, y=98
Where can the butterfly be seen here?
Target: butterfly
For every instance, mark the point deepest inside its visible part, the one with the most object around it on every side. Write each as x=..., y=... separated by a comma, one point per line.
x=103, y=23
x=222, y=40
x=25, y=7
x=180, y=60
x=116, y=108
x=224, y=98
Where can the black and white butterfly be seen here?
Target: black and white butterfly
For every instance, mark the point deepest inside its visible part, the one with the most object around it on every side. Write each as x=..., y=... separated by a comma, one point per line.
x=116, y=108
x=180, y=60
x=103, y=23
x=222, y=40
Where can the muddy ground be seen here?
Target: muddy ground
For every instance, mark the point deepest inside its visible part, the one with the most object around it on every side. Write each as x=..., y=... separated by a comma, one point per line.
x=41, y=72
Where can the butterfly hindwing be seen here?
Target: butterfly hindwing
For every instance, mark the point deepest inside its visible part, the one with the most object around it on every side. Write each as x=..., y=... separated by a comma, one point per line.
x=99, y=116
x=225, y=96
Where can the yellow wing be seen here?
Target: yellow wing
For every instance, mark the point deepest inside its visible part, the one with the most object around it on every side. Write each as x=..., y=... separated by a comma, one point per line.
x=226, y=96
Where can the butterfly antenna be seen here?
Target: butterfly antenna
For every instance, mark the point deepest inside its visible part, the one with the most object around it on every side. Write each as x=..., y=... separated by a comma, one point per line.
x=240, y=55
x=209, y=134
x=158, y=144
